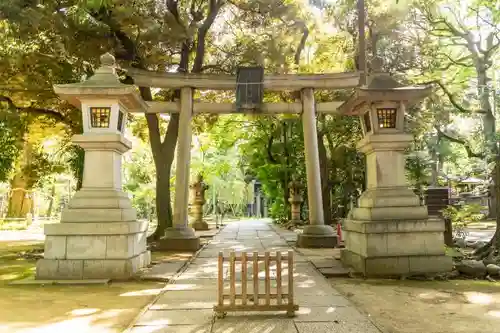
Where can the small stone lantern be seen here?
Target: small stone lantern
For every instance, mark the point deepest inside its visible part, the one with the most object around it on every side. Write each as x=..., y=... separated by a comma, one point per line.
x=389, y=233
x=295, y=200
x=198, y=189
x=99, y=236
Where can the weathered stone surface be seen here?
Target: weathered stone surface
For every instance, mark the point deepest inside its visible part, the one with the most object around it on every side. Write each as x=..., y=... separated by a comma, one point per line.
x=322, y=262
x=70, y=269
x=86, y=247
x=461, y=243
x=95, y=228
x=493, y=270
x=473, y=268
x=46, y=268
x=175, y=317
x=477, y=245
x=205, y=328
x=396, y=266
x=76, y=215
x=316, y=241
x=179, y=244
x=249, y=323
x=337, y=271
x=55, y=247
x=120, y=246
x=199, y=225
x=163, y=271
x=337, y=327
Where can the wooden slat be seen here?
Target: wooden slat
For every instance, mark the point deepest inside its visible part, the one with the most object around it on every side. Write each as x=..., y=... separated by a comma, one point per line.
x=261, y=296
x=244, y=278
x=232, y=277
x=267, y=277
x=271, y=82
x=262, y=257
x=290, y=277
x=279, y=290
x=282, y=307
x=220, y=279
x=255, y=260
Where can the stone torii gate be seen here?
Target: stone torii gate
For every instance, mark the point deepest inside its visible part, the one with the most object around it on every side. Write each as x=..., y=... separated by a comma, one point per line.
x=99, y=236
x=316, y=234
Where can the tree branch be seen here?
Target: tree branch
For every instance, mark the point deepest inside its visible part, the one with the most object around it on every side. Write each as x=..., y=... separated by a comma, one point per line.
x=302, y=44
x=213, y=11
x=33, y=110
x=462, y=142
x=452, y=100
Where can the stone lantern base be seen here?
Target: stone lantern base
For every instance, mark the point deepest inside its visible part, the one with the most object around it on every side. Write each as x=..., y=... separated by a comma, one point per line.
x=199, y=225
x=98, y=238
x=390, y=234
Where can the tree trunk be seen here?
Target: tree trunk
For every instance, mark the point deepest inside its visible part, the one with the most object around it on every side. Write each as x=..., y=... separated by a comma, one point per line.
x=48, y=213
x=163, y=200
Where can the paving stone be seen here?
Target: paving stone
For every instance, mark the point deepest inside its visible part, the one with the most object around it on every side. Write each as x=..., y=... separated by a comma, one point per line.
x=323, y=262
x=173, y=329
x=322, y=301
x=335, y=271
x=175, y=317
x=327, y=253
x=329, y=313
x=181, y=299
x=210, y=285
x=248, y=323
x=162, y=271
x=340, y=327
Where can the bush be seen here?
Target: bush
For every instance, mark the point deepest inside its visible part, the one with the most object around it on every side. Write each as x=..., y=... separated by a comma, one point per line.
x=464, y=214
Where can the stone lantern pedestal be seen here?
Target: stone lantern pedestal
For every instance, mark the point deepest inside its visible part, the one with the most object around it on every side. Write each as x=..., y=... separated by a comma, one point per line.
x=389, y=233
x=295, y=200
x=198, y=189
x=99, y=236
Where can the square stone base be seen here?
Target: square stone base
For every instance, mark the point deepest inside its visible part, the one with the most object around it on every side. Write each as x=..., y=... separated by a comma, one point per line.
x=78, y=269
x=179, y=244
x=396, y=247
x=94, y=250
x=316, y=241
x=396, y=266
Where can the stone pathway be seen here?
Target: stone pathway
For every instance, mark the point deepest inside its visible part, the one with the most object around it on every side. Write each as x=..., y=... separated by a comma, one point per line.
x=186, y=304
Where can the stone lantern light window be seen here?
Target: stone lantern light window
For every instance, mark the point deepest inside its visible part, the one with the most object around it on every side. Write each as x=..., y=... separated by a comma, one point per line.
x=367, y=122
x=119, y=125
x=100, y=116
x=387, y=117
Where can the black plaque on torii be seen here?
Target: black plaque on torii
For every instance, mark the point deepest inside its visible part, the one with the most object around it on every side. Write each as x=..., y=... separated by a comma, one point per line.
x=249, y=88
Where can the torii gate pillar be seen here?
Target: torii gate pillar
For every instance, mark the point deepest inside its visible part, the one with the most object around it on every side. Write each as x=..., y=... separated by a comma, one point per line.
x=316, y=234
x=181, y=236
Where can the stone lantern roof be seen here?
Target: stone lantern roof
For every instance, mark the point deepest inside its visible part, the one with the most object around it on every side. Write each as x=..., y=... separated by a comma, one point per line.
x=104, y=84
x=382, y=87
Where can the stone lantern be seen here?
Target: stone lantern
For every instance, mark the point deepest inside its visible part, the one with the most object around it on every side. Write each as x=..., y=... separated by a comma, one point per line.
x=389, y=233
x=99, y=236
x=295, y=200
x=198, y=189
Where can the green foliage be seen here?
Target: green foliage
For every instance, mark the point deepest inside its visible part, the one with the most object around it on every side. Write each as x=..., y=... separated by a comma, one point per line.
x=139, y=179
x=10, y=132
x=463, y=215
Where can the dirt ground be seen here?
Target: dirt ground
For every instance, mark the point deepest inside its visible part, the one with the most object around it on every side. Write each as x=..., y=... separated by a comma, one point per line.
x=457, y=306
x=52, y=308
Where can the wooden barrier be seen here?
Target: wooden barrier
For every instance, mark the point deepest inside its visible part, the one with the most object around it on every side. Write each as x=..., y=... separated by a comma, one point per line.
x=273, y=299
